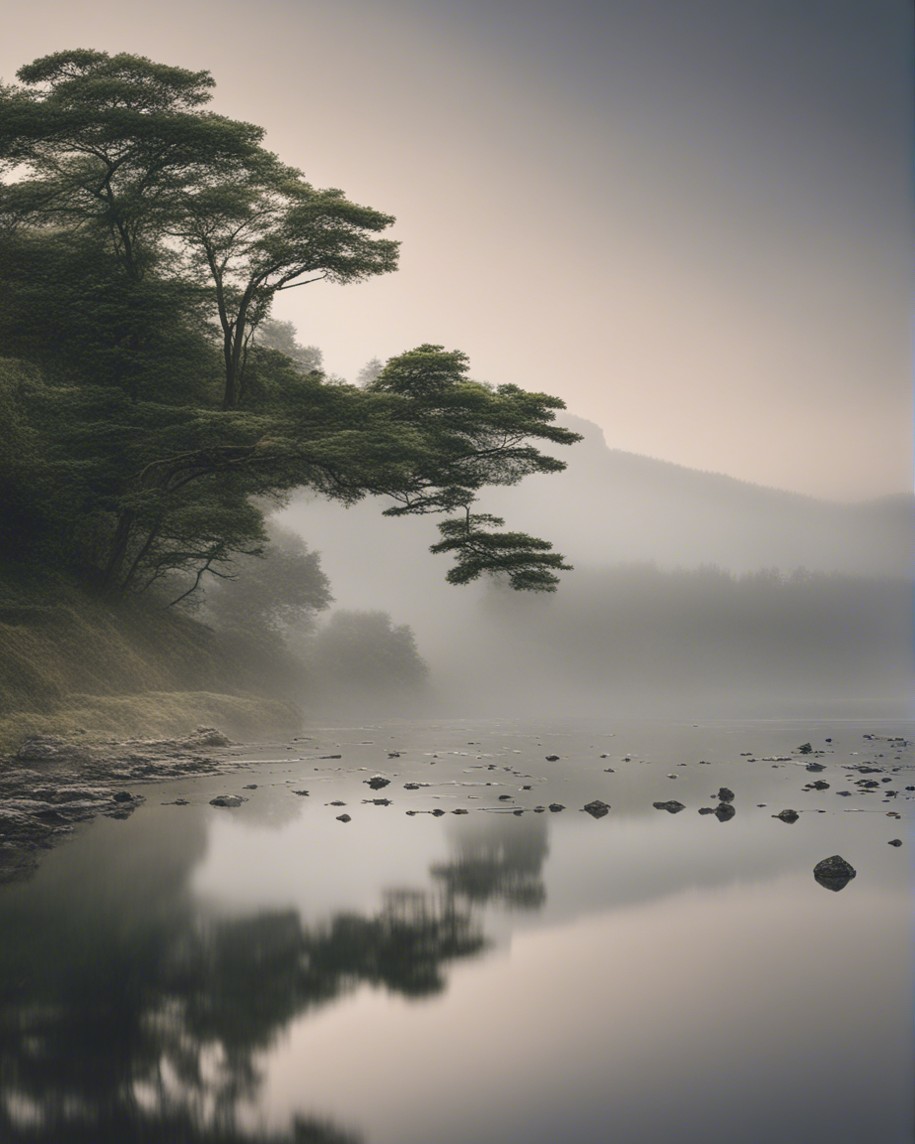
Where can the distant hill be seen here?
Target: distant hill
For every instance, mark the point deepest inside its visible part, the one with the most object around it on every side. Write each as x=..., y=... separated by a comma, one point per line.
x=611, y=507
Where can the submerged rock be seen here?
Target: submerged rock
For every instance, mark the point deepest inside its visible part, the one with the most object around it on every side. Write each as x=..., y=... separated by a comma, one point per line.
x=671, y=806
x=834, y=873
x=596, y=808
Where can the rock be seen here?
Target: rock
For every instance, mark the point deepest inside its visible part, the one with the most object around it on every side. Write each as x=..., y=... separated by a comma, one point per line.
x=596, y=808
x=725, y=795
x=787, y=815
x=706, y=810
x=337, y=802
x=438, y=812
x=805, y=749
x=671, y=806
x=895, y=842
x=412, y=786
x=301, y=793
x=460, y=810
x=815, y=767
x=230, y=800
x=378, y=801
x=207, y=737
x=834, y=873
x=552, y=758
x=344, y=818
x=555, y=807
x=50, y=748
x=253, y=786
x=377, y=782
x=505, y=798
x=724, y=811
x=820, y=784
x=122, y=796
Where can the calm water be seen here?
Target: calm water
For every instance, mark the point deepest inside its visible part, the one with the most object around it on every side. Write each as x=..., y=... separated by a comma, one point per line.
x=271, y=973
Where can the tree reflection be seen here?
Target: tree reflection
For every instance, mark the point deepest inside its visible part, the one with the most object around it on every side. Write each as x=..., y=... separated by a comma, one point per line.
x=498, y=864
x=157, y=1039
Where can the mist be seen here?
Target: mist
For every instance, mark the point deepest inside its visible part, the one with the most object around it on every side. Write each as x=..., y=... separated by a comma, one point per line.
x=693, y=594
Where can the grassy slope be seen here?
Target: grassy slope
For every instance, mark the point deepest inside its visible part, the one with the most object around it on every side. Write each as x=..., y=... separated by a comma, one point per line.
x=73, y=664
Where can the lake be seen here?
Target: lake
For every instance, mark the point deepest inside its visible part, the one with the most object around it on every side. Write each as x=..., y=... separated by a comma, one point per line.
x=465, y=964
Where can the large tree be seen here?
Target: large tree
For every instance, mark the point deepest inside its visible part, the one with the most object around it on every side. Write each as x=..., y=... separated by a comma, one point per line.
x=142, y=241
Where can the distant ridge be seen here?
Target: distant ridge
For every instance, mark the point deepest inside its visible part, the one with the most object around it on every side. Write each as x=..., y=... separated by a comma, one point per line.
x=612, y=507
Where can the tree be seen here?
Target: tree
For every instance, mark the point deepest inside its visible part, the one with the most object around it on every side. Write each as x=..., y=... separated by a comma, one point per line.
x=142, y=241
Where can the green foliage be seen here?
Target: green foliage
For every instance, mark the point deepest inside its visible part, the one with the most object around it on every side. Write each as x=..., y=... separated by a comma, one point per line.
x=527, y=562
x=154, y=409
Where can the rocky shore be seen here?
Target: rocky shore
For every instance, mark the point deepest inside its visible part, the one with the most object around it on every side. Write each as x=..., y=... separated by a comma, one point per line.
x=51, y=784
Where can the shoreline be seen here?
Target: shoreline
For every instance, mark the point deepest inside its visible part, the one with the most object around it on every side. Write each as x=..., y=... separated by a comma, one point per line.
x=52, y=784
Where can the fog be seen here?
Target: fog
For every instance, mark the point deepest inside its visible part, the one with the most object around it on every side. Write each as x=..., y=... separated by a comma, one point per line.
x=692, y=594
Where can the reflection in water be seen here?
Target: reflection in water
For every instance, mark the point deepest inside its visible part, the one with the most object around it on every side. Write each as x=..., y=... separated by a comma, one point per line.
x=495, y=865
x=148, y=1028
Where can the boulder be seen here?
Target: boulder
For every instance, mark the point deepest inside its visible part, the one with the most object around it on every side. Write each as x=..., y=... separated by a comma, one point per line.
x=787, y=815
x=834, y=873
x=671, y=806
x=596, y=808
x=227, y=800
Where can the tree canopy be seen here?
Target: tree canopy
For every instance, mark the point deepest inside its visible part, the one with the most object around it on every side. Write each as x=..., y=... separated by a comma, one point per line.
x=155, y=411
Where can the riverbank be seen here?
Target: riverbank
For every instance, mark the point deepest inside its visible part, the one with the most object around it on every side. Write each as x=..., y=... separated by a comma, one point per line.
x=51, y=784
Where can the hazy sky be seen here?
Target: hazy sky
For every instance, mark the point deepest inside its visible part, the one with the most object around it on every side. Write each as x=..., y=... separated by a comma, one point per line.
x=690, y=219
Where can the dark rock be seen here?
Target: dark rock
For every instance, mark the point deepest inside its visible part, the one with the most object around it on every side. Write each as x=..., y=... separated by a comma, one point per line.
x=504, y=797
x=706, y=810
x=122, y=796
x=253, y=786
x=895, y=842
x=671, y=806
x=843, y=793
x=724, y=811
x=301, y=793
x=805, y=749
x=555, y=807
x=596, y=808
x=376, y=782
x=552, y=758
x=230, y=800
x=337, y=802
x=438, y=812
x=517, y=813
x=460, y=810
x=787, y=815
x=378, y=801
x=330, y=756
x=820, y=784
x=344, y=818
x=725, y=795
x=412, y=786
x=834, y=873
x=815, y=767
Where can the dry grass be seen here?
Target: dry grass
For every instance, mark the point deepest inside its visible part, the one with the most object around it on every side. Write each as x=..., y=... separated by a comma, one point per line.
x=152, y=714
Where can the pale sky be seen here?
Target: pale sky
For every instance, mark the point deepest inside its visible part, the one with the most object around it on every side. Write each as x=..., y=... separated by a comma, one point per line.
x=690, y=219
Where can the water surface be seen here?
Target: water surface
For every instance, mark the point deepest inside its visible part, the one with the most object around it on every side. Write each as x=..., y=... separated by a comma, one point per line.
x=271, y=973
